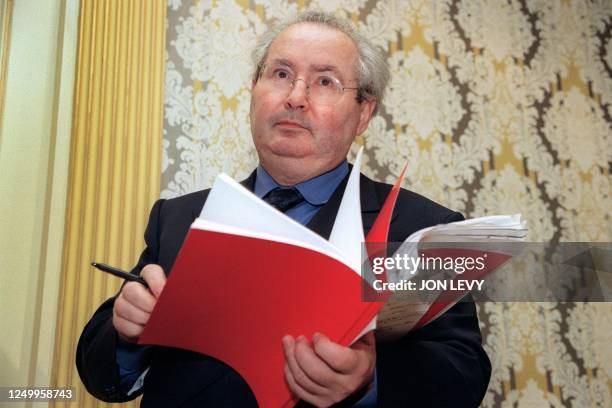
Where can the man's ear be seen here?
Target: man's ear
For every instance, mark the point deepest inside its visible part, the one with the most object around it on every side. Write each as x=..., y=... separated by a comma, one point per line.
x=253, y=83
x=365, y=114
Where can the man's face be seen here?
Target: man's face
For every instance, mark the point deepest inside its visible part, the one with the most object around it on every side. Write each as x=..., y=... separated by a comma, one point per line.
x=297, y=139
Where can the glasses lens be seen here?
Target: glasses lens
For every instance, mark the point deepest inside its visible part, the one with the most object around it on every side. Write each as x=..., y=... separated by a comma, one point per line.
x=325, y=90
x=277, y=76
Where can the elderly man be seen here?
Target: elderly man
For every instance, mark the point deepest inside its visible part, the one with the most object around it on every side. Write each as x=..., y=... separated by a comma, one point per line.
x=316, y=86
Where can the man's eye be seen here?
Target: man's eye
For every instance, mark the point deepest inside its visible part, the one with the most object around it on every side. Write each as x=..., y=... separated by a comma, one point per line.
x=280, y=74
x=325, y=82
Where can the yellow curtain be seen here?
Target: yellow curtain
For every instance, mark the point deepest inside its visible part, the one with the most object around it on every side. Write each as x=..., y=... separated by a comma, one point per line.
x=115, y=161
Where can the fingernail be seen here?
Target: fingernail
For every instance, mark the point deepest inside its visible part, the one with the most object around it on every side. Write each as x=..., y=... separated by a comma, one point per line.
x=316, y=337
x=301, y=338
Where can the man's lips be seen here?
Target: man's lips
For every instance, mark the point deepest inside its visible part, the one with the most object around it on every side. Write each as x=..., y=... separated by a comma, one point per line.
x=290, y=124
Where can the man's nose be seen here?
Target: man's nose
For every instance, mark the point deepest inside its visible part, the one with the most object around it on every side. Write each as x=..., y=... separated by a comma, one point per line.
x=298, y=95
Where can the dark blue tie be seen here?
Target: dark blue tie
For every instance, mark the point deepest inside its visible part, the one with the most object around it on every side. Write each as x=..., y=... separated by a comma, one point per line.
x=283, y=198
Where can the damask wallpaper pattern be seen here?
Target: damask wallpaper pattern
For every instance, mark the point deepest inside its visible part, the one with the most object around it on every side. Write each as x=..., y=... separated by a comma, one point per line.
x=499, y=106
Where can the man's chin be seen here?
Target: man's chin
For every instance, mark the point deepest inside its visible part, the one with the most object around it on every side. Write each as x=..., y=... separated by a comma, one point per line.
x=289, y=168
x=290, y=158
x=290, y=149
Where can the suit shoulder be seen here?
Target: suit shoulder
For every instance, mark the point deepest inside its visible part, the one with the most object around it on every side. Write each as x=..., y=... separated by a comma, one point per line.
x=187, y=203
x=193, y=202
x=425, y=207
x=414, y=211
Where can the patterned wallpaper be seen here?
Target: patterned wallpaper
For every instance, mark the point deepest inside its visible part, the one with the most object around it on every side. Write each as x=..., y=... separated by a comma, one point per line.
x=499, y=106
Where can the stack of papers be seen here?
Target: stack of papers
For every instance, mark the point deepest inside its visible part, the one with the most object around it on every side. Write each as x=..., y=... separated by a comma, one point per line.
x=504, y=228
x=490, y=235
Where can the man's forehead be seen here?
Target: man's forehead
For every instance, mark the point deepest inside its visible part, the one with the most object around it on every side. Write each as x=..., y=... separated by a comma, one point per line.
x=313, y=46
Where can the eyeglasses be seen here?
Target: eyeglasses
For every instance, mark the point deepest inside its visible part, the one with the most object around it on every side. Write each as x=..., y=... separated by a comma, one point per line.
x=323, y=89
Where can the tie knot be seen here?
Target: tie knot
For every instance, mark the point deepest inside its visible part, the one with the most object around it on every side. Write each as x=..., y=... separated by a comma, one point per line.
x=283, y=198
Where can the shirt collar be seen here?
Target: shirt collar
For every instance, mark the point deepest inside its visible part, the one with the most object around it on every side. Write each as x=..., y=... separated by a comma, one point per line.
x=316, y=191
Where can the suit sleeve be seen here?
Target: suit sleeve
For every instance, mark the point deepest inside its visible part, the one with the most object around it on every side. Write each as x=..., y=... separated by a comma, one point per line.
x=443, y=364
x=440, y=365
x=96, y=350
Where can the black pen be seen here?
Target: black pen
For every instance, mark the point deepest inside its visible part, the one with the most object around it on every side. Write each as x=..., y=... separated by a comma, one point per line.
x=119, y=273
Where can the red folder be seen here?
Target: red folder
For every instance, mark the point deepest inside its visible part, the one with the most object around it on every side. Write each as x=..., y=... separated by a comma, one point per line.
x=234, y=298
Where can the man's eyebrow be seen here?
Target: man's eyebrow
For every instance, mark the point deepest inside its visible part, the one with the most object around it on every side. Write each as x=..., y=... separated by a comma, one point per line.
x=323, y=68
x=282, y=61
x=327, y=68
x=313, y=67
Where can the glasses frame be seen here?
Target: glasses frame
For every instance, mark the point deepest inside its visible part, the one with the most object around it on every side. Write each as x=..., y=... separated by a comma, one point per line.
x=339, y=85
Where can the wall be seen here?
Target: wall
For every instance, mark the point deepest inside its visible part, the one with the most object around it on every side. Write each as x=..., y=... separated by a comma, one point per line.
x=497, y=106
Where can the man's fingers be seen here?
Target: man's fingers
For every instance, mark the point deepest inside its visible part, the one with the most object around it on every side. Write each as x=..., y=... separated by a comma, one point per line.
x=339, y=358
x=139, y=296
x=298, y=374
x=129, y=312
x=314, y=366
x=326, y=372
x=135, y=302
x=128, y=330
x=301, y=393
x=155, y=277
x=297, y=390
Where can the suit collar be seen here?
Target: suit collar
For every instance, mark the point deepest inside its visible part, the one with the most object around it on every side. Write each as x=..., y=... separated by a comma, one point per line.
x=249, y=182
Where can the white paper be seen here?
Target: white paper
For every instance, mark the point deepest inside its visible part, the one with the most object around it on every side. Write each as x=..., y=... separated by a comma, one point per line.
x=229, y=203
x=347, y=232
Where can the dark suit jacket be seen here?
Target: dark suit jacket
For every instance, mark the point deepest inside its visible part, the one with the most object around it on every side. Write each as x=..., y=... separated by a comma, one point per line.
x=440, y=365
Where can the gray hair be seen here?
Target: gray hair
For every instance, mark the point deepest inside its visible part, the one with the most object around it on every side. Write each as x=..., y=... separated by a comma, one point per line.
x=371, y=70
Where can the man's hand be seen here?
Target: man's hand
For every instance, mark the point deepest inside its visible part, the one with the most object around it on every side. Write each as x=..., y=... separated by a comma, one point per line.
x=324, y=372
x=135, y=303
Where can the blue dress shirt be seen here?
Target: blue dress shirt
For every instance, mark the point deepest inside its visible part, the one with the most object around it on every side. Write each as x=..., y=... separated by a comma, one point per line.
x=316, y=191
